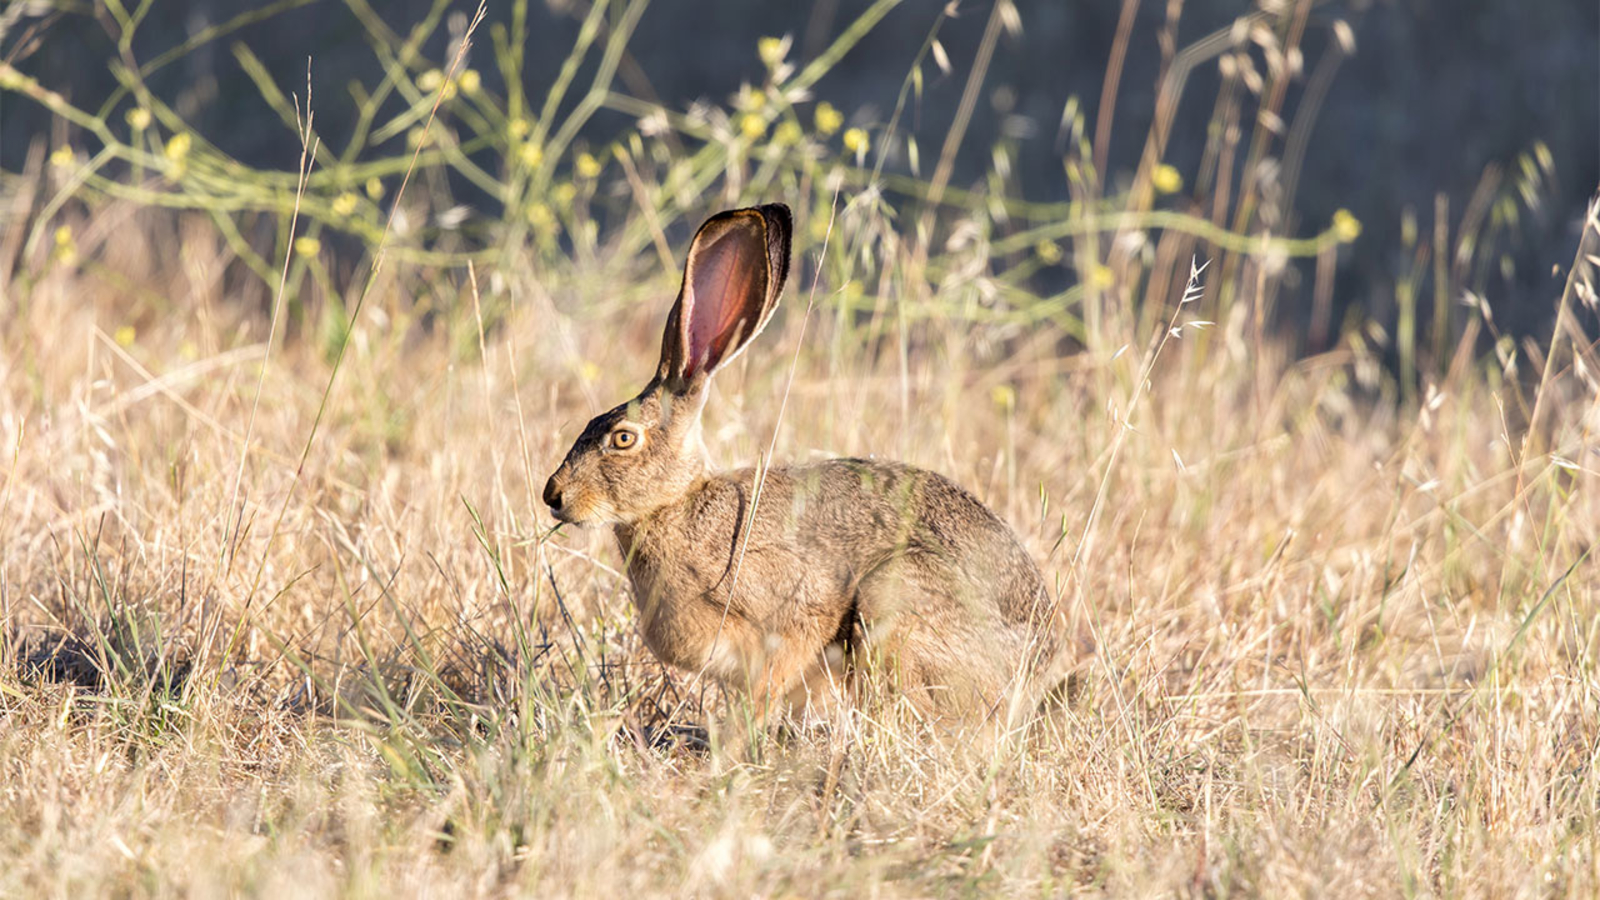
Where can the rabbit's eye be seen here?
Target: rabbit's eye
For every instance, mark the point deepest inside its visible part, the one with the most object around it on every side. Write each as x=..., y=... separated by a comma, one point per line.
x=624, y=439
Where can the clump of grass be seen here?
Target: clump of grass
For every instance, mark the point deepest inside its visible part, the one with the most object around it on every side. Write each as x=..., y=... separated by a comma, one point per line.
x=328, y=642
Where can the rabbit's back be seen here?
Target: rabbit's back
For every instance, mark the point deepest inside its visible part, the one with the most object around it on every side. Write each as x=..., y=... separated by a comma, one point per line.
x=868, y=511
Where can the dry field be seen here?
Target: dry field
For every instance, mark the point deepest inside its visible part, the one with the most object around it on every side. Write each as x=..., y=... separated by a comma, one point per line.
x=281, y=613
x=1345, y=647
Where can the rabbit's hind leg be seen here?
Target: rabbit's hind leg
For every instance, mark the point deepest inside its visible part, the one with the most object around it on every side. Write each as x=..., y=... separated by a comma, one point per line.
x=937, y=638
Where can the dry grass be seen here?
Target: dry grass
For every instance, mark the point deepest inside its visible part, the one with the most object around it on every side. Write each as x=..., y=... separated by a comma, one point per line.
x=1343, y=649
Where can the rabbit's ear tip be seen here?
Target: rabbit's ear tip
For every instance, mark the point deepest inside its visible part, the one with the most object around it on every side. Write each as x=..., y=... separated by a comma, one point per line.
x=779, y=222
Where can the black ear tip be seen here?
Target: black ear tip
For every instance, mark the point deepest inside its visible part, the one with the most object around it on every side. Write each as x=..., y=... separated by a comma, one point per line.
x=777, y=214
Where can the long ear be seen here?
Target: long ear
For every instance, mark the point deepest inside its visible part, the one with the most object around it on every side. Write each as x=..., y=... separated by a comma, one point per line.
x=731, y=282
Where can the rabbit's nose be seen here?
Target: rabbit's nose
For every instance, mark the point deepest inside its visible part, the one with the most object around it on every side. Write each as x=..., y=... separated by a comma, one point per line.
x=552, y=494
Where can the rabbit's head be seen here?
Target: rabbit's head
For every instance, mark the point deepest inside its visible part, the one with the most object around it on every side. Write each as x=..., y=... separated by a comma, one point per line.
x=646, y=453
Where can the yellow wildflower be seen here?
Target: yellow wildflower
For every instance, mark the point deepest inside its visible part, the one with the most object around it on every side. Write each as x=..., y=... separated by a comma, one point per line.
x=788, y=133
x=1346, y=227
x=856, y=141
x=540, y=217
x=828, y=119
x=1004, y=396
x=178, y=146
x=66, y=251
x=772, y=51
x=1166, y=179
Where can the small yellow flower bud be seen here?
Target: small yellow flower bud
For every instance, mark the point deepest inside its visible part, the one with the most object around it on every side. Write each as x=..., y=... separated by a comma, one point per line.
x=772, y=51
x=828, y=119
x=540, y=217
x=1004, y=396
x=1166, y=179
x=307, y=246
x=345, y=204
x=856, y=141
x=178, y=146
x=66, y=251
x=138, y=118
x=1346, y=227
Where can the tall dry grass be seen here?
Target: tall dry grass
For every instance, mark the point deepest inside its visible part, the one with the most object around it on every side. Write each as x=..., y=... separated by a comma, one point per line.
x=282, y=614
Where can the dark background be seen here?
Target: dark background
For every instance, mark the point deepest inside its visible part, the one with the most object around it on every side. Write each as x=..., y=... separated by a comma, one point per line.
x=1436, y=91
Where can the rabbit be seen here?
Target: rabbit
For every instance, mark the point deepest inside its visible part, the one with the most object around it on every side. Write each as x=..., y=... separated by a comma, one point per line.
x=782, y=581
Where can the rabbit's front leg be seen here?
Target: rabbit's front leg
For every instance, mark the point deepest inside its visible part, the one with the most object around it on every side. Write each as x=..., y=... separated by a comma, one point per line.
x=763, y=687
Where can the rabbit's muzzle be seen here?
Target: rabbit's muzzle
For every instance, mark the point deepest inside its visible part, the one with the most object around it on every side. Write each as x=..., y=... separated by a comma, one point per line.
x=574, y=502
x=553, y=496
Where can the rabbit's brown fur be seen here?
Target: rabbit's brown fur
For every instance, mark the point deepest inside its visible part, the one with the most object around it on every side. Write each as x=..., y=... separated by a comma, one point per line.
x=754, y=576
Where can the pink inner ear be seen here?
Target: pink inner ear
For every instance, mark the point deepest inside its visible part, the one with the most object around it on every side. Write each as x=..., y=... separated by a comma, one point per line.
x=726, y=296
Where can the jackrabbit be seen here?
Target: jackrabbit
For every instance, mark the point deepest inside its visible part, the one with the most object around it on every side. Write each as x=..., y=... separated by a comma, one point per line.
x=761, y=579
